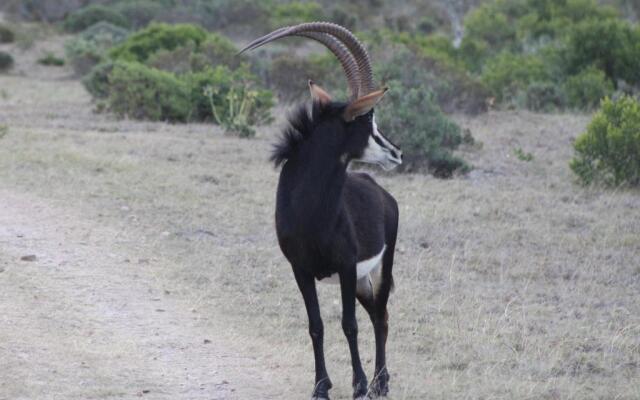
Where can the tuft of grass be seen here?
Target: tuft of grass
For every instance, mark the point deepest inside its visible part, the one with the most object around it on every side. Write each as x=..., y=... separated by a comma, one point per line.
x=521, y=155
x=51, y=60
x=4, y=130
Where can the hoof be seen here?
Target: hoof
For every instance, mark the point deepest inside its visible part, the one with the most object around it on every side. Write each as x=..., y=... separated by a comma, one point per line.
x=380, y=384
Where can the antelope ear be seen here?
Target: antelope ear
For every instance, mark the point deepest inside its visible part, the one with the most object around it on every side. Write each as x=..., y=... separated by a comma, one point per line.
x=319, y=94
x=363, y=104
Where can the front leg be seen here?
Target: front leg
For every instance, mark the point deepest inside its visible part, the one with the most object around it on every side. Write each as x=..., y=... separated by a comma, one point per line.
x=307, y=285
x=348, y=282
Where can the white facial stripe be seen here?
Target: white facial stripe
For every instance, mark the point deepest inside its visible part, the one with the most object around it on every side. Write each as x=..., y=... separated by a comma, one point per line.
x=380, y=151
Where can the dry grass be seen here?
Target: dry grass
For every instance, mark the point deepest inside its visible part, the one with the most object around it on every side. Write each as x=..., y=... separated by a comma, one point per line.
x=512, y=283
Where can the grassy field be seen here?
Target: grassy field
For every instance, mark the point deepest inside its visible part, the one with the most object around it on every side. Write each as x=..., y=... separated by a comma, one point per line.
x=511, y=283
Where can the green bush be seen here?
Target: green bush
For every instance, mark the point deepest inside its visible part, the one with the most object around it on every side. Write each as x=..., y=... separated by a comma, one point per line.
x=586, y=89
x=544, y=96
x=288, y=75
x=295, y=13
x=411, y=116
x=51, y=60
x=434, y=65
x=89, y=48
x=6, y=61
x=97, y=80
x=611, y=45
x=222, y=81
x=140, y=92
x=139, y=13
x=218, y=94
x=142, y=44
x=6, y=34
x=609, y=150
x=508, y=73
x=92, y=14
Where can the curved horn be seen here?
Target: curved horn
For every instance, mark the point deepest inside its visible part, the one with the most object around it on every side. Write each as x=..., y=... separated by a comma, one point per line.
x=350, y=41
x=344, y=56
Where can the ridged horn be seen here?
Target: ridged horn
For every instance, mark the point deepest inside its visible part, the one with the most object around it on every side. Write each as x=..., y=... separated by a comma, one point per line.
x=327, y=29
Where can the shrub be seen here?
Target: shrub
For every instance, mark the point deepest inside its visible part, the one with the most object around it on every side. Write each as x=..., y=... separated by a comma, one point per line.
x=51, y=60
x=288, y=75
x=86, y=50
x=585, y=90
x=411, y=116
x=544, y=96
x=140, y=92
x=6, y=34
x=216, y=50
x=222, y=81
x=454, y=88
x=139, y=13
x=142, y=44
x=609, y=150
x=97, y=81
x=611, y=45
x=508, y=73
x=92, y=14
x=295, y=13
x=6, y=61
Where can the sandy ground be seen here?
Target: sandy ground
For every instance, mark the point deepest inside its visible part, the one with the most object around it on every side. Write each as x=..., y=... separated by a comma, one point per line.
x=511, y=283
x=82, y=318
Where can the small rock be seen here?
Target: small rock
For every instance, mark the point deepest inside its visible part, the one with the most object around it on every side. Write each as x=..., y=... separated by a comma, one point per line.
x=207, y=341
x=30, y=257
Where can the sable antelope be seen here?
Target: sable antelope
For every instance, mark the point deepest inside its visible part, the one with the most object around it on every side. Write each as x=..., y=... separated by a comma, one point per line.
x=332, y=223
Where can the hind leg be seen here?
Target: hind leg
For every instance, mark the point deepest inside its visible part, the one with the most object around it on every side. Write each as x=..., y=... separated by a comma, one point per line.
x=372, y=303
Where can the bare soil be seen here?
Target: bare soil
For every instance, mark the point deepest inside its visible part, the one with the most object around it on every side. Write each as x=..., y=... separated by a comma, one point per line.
x=512, y=282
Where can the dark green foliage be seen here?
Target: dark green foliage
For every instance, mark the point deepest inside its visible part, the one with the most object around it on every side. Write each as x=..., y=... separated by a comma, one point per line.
x=585, y=90
x=51, y=60
x=295, y=13
x=525, y=51
x=6, y=34
x=139, y=13
x=412, y=118
x=508, y=73
x=6, y=61
x=97, y=81
x=142, y=44
x=89, y=48
x=545, y=97
x=139, y=92
x=289, y=74
x=611, y=45
x=609, y=150
x=434, y=65
x=92, y=14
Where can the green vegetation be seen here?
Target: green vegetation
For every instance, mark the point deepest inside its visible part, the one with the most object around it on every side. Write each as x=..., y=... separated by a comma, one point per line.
x=6, y=61
x=609, y=150
x=522, y=155
x=51, y=60
x=89, y=48
x=411, y=116
x=179, y=73
x=144, y=43
x=585, y=89
x=92, y=14
x=546, y=55
x=295, y=13
x=140, y=92
x=6, y=34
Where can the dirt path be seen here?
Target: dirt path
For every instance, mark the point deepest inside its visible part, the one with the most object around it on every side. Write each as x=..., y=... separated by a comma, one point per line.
x=84, y=319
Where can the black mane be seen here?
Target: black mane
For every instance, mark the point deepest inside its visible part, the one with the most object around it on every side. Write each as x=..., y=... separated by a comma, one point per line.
x=300, y=125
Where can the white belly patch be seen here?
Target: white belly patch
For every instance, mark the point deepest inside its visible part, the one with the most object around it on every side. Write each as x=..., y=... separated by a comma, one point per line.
x=363, y=268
